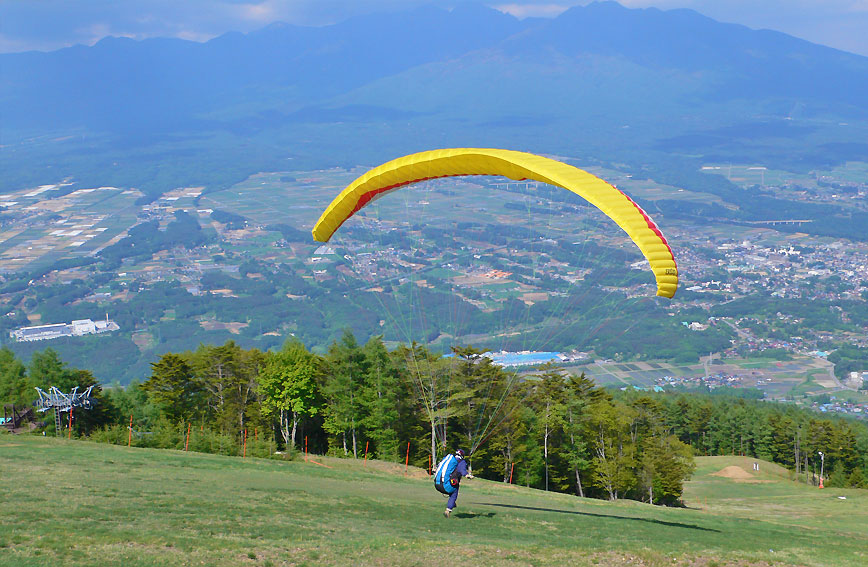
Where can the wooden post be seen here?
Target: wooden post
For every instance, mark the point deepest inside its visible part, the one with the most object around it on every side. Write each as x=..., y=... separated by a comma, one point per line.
x=70, y=427
x=429, y=464
x=130, y=440
x=407, y=460
x=187, y=442
x=366, y=453
x=244, y=454
x=512, y=468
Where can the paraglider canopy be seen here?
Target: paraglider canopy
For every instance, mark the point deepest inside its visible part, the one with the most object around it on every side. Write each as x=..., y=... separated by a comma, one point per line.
x=514, y=165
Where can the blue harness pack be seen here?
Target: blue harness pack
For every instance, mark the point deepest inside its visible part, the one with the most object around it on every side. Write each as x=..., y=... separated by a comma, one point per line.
x=444, y=477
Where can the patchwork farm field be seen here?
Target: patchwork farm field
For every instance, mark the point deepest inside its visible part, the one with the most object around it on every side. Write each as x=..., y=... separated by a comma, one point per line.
x=797, y=377
x=93, y=504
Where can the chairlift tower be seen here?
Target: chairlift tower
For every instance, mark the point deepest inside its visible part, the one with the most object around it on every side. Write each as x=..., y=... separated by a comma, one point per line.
x=60, y=402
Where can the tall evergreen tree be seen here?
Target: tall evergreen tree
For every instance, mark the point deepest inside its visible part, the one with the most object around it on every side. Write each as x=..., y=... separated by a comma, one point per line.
x=342, y=385
x=549, y=400
x=384, y=398
x=614, y=461
x=429, y=376
x=173, y=388
x=15, y=388
x=228, y=373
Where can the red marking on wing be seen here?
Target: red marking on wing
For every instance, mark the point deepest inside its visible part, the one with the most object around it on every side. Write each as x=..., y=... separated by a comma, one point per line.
x=650, y=223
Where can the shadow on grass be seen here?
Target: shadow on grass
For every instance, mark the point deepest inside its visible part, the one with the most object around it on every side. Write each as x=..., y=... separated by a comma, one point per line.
x=473, y=515
x=661, y=522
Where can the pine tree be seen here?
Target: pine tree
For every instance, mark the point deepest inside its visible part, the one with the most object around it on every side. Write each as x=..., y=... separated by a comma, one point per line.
x=614, y=461
x=173, y=388
x=346, y=370
x=15, y=388
x=384, y=399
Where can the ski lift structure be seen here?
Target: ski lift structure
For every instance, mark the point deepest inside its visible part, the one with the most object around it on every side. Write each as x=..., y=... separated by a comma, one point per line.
x=60, y=402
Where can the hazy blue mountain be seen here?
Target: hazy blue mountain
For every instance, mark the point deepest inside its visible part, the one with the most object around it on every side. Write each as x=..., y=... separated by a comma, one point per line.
x=152, y=84
x=739, y=61
x=600, y=80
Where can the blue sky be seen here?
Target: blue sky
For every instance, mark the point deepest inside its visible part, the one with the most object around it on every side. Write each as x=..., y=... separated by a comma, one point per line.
x=53, y=24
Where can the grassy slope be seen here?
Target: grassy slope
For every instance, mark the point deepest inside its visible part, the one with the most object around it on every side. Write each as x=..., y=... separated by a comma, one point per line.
x=93, y=504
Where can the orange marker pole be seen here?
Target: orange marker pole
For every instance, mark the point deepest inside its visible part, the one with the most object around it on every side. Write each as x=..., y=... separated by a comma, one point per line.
x=366, y=452
x=512, y=468
x=70, y=436
x=407, y=460
x=305, y=448
x=187, y=442
x=130, y=440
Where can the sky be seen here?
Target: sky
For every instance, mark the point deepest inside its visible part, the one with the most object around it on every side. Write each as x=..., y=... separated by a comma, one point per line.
x=47, y=25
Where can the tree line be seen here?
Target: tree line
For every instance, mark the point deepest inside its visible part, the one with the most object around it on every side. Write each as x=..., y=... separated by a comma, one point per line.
x=548, y=430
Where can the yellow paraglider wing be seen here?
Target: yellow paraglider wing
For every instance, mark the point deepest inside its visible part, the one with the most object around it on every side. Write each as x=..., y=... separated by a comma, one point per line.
x=514, y=165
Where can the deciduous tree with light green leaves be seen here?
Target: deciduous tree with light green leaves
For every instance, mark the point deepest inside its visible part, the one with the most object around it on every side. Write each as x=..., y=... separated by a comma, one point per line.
x=288, y=386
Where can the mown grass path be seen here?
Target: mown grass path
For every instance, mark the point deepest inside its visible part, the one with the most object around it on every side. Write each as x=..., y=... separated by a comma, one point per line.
x=79, y=503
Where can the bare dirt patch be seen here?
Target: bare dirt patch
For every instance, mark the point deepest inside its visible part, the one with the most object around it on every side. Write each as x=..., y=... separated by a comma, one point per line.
x=374, y=465
x=234, y=328
x=142, y=340
x=733, y=472
x=534, y=297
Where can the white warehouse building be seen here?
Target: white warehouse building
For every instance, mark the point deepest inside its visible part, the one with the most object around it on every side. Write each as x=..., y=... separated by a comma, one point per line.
x=73, y=329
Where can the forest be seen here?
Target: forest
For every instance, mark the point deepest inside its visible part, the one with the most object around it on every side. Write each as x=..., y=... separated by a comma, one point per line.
x=548, y=429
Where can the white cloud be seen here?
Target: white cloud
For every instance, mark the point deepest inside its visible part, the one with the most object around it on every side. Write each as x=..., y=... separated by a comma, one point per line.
x=262, y=12
x=532, y=10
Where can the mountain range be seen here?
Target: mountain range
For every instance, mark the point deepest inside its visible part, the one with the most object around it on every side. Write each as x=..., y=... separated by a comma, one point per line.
x=597, y=82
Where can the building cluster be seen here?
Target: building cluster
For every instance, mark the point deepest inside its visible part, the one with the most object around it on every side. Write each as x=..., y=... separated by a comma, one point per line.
x=712, y=381
x=74, y=329
x=859, y=410
x=783, y=271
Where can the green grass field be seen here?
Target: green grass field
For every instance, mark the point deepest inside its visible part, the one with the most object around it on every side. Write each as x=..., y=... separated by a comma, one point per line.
x=79, y=503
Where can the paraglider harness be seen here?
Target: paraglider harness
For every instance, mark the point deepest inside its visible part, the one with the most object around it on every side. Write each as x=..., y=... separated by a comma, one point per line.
x=446, y=478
